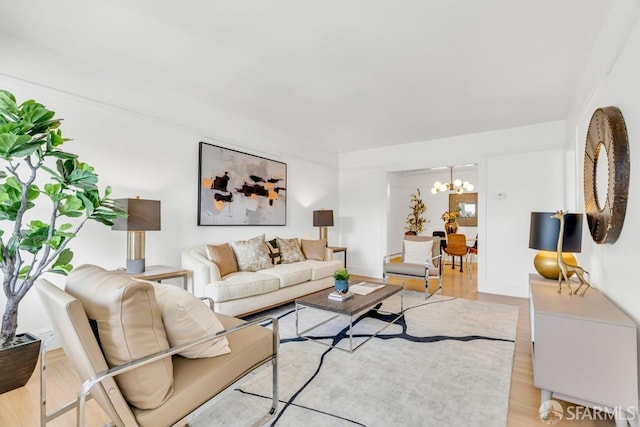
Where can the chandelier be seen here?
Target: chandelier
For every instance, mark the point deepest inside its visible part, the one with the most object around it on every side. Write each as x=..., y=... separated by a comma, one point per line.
x=458, y=186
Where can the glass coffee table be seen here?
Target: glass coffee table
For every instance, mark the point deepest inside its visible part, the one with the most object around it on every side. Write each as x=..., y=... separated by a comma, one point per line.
x=349, y=308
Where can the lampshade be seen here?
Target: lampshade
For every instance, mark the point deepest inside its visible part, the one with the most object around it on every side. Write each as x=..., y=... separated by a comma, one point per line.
x=323, y=218
x=142, y=215
x=544, y=232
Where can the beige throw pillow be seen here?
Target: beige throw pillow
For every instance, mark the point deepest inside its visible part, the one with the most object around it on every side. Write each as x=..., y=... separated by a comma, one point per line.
x=187, y=318
x=314, y=249
x=223, y=257
x=289, y=250
x=252, y=254
x=129, y=327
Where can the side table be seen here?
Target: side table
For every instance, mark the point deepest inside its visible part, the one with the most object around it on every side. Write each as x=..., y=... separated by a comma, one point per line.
x=340, y=249
x=158, y=273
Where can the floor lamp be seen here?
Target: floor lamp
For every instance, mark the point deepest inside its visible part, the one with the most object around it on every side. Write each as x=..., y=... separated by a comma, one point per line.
x=142, y=215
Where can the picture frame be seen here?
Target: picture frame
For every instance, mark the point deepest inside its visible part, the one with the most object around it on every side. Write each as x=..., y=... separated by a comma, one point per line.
x=236, y=188
x=467, y=204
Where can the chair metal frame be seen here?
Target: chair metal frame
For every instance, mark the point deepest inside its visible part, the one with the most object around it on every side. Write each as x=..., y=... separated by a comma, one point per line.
x=84, y=395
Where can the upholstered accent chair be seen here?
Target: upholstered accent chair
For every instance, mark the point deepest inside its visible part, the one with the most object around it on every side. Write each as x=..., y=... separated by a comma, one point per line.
x=420, y=259
x=157, y=387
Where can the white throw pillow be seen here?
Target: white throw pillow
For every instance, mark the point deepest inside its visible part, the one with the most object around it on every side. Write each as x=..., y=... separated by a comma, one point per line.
x=418, y=252
x=187, y=318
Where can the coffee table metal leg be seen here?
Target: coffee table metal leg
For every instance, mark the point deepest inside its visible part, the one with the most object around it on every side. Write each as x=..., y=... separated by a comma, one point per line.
x=350, y=333
x=297, y=334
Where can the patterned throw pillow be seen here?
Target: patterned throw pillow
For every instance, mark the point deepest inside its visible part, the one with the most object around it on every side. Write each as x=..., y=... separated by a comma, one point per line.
x=252, y=254
x=290, y=250
x=274, y=251
x=314, y=249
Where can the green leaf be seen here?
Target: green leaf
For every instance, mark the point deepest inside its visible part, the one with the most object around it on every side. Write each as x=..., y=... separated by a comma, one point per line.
x=34, y=241
x=65, y=226
x=13, y=145
x=71, y=206
x=65, y=257
x=8, y=102
x=33, y=192
x=83, y=179
x=62, y=263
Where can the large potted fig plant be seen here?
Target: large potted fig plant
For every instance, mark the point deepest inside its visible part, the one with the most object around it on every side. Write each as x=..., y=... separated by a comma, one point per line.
x=46, y=196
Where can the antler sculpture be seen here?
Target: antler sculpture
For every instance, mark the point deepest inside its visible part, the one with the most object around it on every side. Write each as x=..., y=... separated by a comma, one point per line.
x=565, y=268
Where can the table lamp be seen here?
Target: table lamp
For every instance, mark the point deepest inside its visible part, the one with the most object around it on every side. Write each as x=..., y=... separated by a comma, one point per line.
x=543, y=235
x=142, y=215
x=323, y=219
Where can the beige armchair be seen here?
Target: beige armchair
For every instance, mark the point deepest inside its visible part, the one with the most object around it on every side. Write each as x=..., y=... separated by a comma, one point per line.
x=194, y=382
x=420, y=259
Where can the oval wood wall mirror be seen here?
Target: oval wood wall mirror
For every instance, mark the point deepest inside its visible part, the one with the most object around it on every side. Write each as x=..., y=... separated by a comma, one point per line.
x=606, y=174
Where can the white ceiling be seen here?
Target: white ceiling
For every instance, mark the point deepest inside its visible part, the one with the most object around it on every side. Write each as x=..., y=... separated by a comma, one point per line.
x=346, y=74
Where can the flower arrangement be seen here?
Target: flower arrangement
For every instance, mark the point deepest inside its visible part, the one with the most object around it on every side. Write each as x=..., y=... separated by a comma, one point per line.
x=450, y=216
x=415, y=221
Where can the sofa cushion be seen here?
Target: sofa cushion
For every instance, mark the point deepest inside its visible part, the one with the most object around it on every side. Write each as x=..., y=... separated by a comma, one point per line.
x=223, y=257
x=274, y=251
x=251, y=254
x=129, y=326
x=314, y=249
x=322, y=269
x=187, y=318
x=196, y=380
x=290, y=274
x=243, y=284
x=289, y=250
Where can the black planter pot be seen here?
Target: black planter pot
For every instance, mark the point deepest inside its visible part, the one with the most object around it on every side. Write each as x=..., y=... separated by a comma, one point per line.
x=17, y=362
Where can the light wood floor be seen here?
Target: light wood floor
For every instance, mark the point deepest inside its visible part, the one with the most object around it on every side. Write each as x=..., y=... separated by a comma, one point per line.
x=21, y=407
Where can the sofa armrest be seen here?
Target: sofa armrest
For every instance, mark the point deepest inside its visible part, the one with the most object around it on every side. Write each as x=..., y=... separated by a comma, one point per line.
x=328, y=254
x=204, y=270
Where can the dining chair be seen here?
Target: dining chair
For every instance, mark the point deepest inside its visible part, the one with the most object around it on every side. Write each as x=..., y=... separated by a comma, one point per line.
x=472, y=251
x=456, y=246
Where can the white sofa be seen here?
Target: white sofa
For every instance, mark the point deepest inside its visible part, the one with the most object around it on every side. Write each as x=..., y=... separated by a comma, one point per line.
x=243, y=292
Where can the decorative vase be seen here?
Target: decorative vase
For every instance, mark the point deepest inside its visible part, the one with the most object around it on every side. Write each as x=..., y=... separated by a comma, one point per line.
x=410, y=233
x=18, y=362
x=451, y=227
x=342, y=286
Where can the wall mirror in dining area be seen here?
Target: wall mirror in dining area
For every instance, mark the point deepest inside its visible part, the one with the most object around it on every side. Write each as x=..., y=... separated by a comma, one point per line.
x=467, y=205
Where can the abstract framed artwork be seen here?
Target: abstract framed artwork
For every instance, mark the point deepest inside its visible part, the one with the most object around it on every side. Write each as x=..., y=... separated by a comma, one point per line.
x=236, y=188
x=467, y=204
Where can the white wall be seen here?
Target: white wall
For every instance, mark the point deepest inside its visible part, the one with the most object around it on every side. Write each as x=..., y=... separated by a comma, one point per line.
x=526, y=162
x=612, y=266
x=142, y=156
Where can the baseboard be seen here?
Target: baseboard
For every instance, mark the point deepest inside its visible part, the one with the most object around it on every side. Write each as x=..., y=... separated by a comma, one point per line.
x=511, y=291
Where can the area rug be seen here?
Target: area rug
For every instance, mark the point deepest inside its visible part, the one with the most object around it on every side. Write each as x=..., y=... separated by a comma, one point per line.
x=447, y=362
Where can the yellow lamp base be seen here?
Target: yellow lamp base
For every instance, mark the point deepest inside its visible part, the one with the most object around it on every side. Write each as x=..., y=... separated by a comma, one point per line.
x=546, y=263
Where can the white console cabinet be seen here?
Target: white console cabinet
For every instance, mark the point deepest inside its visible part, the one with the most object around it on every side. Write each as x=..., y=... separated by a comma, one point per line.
x=584, y=349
